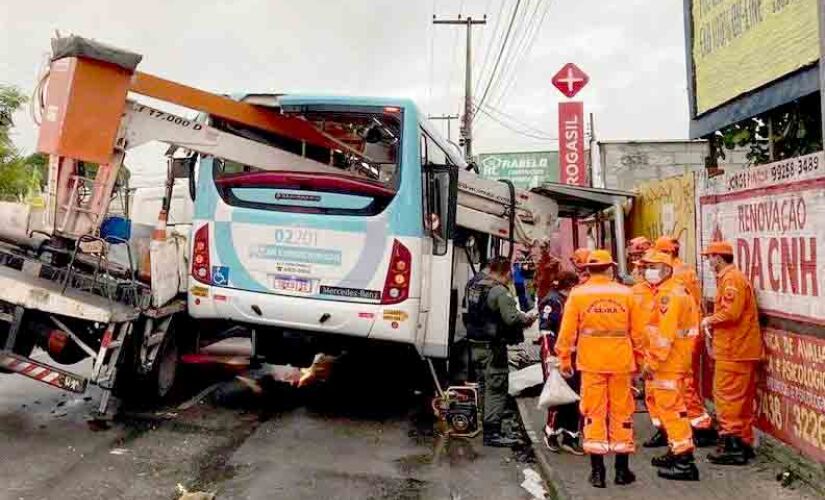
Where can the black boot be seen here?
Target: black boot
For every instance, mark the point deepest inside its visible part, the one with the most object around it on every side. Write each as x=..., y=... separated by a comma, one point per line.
x=657, y=440
x=664, y=461
x=731, y=452
x=597, y=471
x=683, y=468
x=570, y=443
x=704, y=438
x=496, y=439
x=623, y=473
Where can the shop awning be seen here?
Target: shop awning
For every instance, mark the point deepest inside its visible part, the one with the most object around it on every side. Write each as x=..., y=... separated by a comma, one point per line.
x=582, y=202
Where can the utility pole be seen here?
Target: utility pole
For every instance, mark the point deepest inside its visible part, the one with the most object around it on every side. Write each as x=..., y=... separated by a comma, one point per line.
x=466, y=128
x=822, y=66
x=596, y=174
x=449, y=119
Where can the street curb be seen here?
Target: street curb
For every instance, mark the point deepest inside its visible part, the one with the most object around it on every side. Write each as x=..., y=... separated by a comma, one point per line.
x=551, y=477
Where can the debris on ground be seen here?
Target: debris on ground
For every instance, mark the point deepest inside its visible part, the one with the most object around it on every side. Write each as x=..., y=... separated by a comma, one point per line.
x=193, y=495
x=786, y=478
x=118, y=451
x=533, y=484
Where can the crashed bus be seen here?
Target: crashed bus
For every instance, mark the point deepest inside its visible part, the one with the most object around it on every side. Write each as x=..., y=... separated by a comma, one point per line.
x=318, y=221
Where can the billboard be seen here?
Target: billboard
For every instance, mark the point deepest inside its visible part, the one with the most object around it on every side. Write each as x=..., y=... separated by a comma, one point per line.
x=736, y=47
x=774, y=215
x=525, y=169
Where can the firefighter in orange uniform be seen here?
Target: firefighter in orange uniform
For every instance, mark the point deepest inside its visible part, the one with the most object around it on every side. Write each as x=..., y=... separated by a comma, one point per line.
x=601, y=324
x=644, y=293
x=703, y=432
x=737, y=350
x=671, y=329
x=636, y=248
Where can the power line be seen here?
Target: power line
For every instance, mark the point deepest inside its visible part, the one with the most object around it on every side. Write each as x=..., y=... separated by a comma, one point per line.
x=519, y=35
x=466, y=129
x=498, y=59
x=513, y=121
x=518, y=127
x=526, y=51
x=493, y=37
x=513, y=129
x=512, y=57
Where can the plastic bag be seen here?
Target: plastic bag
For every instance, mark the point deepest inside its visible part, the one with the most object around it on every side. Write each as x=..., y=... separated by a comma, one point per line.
x=556, y=392
x=525, y=378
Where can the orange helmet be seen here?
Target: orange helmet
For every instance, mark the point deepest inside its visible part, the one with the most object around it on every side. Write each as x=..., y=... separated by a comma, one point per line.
x=718, y=248
x=665, y=244
x=657, y=258
x=638, y=245
x=599, y=258
x=579, y=257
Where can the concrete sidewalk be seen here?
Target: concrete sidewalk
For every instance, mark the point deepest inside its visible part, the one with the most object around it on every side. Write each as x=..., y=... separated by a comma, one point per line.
x=568, y=473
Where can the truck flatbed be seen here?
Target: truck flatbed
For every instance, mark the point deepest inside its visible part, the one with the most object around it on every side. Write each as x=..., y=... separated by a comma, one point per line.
x=22, y=289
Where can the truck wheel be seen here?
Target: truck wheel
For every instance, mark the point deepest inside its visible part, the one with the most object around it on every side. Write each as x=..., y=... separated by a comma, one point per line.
x=165, y=370
x=153, y=387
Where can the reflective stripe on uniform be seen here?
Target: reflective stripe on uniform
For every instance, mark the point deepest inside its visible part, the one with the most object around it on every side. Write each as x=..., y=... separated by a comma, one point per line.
x=681, y=446
x=701, y=422
x=590, y=332
x=596, y=447
x=666, y=384
x=612, y=288
x=623, y=447
x=662, y=342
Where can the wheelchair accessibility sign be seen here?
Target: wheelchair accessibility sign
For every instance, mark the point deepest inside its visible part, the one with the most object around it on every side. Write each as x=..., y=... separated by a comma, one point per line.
x=220, y=275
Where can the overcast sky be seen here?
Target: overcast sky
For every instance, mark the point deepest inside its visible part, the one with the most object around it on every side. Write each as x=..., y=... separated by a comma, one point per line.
x=633, y=51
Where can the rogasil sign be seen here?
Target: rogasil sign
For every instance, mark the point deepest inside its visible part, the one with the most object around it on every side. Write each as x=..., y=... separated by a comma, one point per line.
x=571, y=143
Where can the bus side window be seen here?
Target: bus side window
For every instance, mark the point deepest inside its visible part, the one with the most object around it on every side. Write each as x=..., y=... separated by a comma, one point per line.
x=438, y=208
x=439, y=187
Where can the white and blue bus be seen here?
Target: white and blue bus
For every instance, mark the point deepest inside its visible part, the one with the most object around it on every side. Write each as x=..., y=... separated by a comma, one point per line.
x=361, y=247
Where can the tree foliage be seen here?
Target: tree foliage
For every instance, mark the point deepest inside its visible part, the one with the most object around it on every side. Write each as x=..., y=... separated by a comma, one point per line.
x=20, y=175
x=794, y=129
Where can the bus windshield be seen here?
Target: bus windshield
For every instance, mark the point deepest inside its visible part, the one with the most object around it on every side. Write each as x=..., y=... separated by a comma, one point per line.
x=363, y=148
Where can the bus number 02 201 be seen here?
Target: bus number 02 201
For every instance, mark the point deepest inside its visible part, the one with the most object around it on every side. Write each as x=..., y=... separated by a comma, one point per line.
x=300, y=237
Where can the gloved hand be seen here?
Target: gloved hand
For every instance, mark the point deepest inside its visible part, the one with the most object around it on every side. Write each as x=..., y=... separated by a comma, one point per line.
x=566, y=371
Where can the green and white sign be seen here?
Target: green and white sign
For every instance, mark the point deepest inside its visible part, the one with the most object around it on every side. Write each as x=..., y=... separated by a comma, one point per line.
x=525, y=170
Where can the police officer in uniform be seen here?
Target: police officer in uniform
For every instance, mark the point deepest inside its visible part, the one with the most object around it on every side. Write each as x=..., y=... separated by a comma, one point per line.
x=493, y=322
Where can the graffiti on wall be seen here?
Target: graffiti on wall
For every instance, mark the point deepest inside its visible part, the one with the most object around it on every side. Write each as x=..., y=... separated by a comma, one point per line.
x=667, y=207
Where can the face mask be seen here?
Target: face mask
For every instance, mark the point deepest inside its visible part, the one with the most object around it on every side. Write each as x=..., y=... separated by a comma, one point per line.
x=653, y=276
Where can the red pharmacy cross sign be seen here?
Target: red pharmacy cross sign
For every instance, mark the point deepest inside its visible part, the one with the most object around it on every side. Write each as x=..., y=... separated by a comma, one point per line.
x=570, y=80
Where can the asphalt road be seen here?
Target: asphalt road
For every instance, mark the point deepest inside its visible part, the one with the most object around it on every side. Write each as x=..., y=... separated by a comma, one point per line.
x=364, y=434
